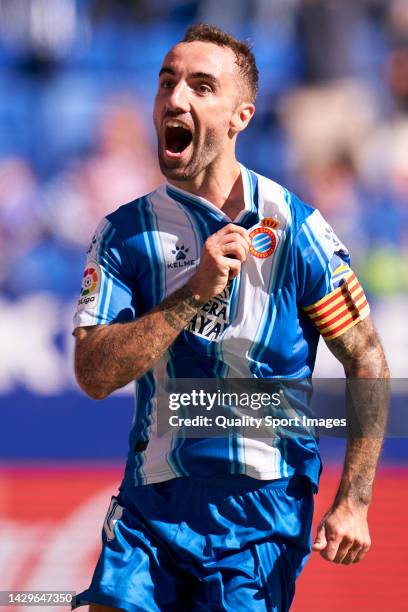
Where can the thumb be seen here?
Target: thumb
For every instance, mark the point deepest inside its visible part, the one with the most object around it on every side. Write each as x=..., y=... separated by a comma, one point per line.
x=320, y=541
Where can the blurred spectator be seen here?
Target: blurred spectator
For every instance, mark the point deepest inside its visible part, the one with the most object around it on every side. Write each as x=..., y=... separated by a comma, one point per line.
x=122, y=167
x=325, y=120
x=336, y=37
x=38, y=30
x=20, y=224
x=140, y=10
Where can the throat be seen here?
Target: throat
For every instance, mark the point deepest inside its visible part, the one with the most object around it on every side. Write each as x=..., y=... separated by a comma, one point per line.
x=233, y=209
x=227, y=195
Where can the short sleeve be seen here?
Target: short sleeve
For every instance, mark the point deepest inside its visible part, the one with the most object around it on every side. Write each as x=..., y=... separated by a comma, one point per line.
x=327, y=288
x=106, y=294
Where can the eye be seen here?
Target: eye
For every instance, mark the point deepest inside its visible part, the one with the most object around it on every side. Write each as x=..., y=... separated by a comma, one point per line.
x=204, y=88
x=166, y=84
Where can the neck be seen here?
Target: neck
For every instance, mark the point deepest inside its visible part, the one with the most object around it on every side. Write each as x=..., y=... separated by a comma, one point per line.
x=220, y=183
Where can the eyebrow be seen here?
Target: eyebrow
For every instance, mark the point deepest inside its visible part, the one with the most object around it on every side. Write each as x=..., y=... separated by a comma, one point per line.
x=194, y=75
x=205, y=75
x=167, y=70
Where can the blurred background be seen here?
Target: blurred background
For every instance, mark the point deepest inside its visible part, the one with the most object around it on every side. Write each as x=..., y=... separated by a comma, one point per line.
x=77, y=82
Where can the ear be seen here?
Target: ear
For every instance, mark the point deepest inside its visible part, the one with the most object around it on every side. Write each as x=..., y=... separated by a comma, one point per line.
x=241, y=117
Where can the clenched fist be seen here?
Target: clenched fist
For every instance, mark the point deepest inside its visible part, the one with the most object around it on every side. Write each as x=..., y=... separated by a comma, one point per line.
x=221, y=258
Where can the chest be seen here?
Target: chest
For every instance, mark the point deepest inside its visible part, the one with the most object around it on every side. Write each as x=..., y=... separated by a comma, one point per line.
x=168, y=255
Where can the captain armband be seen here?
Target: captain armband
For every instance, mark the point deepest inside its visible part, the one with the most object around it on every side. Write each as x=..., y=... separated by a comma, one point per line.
x=341, y=309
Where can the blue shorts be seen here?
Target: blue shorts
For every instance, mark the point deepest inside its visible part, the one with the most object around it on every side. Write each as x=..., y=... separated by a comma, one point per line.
x=235, y=544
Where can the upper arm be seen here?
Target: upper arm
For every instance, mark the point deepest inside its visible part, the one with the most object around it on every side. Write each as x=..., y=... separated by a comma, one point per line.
x=360, y=351
x=321, y=260
x=107, y=294
x=327, y=289
x=330, y=294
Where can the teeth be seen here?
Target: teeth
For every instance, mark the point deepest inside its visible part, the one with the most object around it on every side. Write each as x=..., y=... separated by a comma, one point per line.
x=176, y=124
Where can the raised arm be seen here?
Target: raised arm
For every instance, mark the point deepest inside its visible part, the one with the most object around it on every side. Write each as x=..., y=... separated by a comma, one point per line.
x=108, y=357
x=343, y=534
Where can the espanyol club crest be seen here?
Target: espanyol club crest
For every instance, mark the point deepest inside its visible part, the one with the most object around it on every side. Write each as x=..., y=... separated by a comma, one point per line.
x=263, y=238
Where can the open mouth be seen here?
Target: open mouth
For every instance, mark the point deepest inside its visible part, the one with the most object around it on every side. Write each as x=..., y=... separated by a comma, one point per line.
x=177, y=138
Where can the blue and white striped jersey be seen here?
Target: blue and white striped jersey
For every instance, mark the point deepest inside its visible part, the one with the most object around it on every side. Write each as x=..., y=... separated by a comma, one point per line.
x=257, y=328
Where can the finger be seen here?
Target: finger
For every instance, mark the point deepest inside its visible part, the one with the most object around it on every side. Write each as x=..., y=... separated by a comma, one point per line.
x=344, y=549
x=231, y=227
x=361, y=554
x=320, y=540
x=235, y=237
x=333, y=543
x=352, y=554
x=234, y=249
x=234, y=266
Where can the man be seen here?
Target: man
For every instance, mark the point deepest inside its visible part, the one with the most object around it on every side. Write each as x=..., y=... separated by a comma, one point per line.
x=226, y=274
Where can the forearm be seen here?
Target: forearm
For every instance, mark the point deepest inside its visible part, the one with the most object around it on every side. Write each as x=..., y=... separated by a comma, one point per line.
x=113, y=355
x=367, y=402
x=359, y=470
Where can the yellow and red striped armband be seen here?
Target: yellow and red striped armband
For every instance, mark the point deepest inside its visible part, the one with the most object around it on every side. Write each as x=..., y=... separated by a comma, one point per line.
x=341, y=309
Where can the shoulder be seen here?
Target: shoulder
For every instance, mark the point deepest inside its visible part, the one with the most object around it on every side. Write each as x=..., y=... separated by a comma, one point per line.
x=131, y=216
x=125, y=225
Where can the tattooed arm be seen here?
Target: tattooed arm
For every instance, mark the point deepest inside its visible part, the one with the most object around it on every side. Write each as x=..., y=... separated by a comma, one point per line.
x=110, y=356
x=343, y=535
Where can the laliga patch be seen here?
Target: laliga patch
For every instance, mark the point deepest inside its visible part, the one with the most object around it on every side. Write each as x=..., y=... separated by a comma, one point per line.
x=91, y=281
x=263, y=239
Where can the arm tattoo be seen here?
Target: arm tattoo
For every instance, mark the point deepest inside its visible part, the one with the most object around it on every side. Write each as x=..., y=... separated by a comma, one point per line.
x=110, y=356
x=367, y=399
x=360, y=351
x=180, y=306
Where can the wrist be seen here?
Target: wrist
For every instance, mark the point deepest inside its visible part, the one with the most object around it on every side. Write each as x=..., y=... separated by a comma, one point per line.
x=352, y=494
x=196, y=292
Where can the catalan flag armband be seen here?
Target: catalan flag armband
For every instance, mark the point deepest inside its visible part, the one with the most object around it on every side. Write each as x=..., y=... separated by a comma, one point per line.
x=341, y=309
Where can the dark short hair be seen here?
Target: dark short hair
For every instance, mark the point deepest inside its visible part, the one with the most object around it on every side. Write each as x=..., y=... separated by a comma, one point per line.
x=244, y=57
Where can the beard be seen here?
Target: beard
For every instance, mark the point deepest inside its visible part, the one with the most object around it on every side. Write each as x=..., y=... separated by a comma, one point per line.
x=202, y=155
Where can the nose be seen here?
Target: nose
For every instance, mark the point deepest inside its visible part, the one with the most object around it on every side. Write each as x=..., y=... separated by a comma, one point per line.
x=178, y=99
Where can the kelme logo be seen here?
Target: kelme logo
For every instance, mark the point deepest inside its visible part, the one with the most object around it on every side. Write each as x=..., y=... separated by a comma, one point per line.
x=180, y=260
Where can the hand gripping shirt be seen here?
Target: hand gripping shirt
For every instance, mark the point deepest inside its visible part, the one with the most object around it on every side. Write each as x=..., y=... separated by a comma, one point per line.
x=295, y=284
